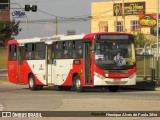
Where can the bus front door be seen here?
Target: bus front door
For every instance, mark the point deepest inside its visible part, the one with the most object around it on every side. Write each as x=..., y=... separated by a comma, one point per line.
x=87, y=63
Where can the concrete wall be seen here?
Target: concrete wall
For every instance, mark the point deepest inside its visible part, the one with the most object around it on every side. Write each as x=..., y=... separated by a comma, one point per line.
x=4, y=15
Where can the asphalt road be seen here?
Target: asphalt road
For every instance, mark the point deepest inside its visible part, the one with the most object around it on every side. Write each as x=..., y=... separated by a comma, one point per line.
x=20, y=98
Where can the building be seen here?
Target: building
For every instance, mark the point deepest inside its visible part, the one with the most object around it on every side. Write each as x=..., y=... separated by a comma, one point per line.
x=105, y=15
x=4, y=10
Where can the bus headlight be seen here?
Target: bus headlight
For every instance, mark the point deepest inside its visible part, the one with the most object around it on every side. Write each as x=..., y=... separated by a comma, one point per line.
x=99, y=75
x=132, y=76
x=106, y=75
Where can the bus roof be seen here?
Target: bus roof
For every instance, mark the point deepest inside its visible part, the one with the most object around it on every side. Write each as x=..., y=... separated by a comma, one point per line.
x=51, y=39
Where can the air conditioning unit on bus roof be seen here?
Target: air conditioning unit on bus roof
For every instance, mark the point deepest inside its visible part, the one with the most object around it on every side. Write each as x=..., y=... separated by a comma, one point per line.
x=71, y=32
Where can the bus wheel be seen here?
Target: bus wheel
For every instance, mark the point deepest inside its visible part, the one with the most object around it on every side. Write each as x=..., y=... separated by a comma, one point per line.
x=31, y=83
x=113, y=88
x=64, y=87
x=77, y=84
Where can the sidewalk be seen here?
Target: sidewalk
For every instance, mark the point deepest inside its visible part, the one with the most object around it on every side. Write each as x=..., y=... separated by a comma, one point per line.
x=3, y=73
x=157, y=89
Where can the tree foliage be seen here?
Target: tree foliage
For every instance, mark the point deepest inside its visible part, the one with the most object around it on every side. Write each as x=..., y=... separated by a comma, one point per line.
x=8, y=29
x=140, y=40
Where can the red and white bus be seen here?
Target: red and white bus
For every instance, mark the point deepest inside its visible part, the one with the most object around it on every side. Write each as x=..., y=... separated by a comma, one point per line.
x=86, y=60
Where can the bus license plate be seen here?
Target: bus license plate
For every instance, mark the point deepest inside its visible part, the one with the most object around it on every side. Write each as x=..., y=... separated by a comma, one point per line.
x=117, y=80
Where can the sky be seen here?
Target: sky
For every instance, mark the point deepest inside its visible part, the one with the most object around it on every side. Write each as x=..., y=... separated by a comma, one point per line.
x=62, y=8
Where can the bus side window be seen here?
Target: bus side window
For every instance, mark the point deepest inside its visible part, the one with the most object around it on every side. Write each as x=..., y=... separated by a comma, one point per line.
x=22, y=51
x=43, y=52
x=73, y=50
x=58, y=50
x=65, y=50
x=29, y=52
x=79, y=49
x=40, y=51
x=13, y=52
x=70, y=48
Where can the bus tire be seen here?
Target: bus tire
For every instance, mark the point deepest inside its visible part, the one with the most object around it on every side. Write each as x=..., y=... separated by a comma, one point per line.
x=31, y=83
x=62, y=88
x=77, y=84
x=113, y=88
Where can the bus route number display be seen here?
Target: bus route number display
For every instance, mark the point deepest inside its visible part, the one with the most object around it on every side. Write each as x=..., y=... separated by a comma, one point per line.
x=113, y=37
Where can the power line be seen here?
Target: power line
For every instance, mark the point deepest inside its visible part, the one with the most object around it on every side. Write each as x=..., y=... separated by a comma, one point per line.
x=76, y=17
x=82, y=18
x=48, y=13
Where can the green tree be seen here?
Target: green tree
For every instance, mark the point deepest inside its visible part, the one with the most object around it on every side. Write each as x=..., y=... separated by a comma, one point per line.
x=140, y=40
x=8, y=29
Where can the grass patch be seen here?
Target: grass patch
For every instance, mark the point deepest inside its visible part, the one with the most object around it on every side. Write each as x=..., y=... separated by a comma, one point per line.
x=140, y=66
x=3, y=58
x=3, y=79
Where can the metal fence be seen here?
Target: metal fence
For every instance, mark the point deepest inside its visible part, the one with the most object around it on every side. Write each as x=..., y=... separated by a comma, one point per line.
x=148, y=66
x=144, y=67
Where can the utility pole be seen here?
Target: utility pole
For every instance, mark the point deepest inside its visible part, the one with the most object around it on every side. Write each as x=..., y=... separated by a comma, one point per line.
x=116, y=18
x=123, y=16
x=115, y=5
x=157, y=4
x=116, y=11
x=56, y=25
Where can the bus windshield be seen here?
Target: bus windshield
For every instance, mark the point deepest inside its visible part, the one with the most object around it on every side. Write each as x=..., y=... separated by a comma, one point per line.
x=115, y=54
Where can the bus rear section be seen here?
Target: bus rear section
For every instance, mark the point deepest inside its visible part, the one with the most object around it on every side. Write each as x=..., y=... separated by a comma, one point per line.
x=26, y=63
x=12, y=64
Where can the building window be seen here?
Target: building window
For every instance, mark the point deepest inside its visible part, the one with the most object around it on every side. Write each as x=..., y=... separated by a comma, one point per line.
x=119, y=26
x=103, y=26
x=153, y=31
x=4, y=6
x=134, y=25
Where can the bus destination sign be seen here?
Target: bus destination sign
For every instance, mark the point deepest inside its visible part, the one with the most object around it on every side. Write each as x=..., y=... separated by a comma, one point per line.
x=113, y=37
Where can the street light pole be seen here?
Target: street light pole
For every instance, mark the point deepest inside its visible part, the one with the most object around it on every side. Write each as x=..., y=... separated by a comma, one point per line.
x=116, y=18
x=56, y=25
x=123, y=16
x=116, y=14
x=56, y=21
x=22, y=10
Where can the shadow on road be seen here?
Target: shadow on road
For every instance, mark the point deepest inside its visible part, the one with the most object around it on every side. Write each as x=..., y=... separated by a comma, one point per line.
x=96, y=89
x=140, y=86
